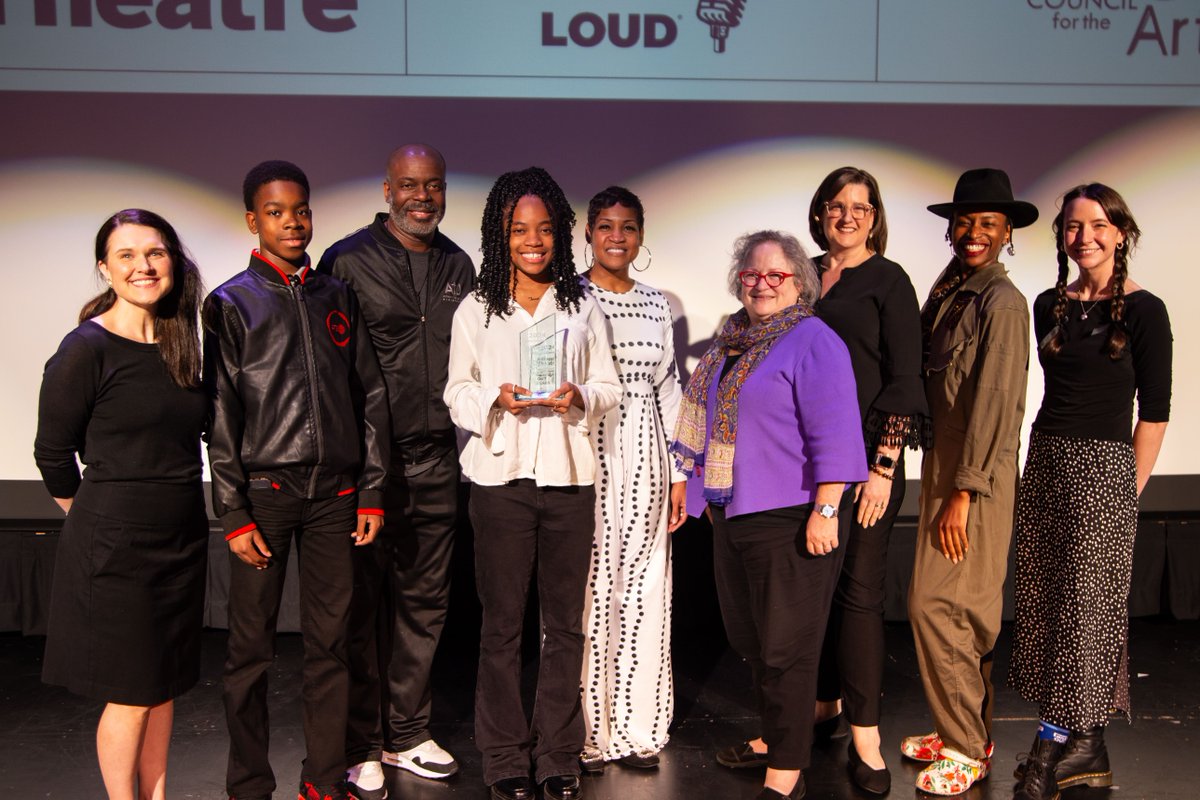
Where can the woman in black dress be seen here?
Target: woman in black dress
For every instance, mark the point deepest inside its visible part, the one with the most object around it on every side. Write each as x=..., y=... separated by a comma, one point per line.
x=1102, y=341
x=123, y=393
x=870, y=303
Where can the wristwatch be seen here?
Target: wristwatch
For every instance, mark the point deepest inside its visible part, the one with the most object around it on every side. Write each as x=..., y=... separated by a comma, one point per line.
x=825, y=510
x=880, y=460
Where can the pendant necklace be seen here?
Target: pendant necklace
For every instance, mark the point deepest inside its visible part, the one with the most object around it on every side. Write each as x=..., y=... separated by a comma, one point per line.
x=1087, y=310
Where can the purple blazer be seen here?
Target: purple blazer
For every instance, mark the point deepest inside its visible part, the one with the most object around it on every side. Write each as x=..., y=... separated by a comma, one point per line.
x=798, y=425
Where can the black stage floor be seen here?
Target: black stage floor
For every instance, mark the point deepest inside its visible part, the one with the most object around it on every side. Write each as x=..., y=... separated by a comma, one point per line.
x=47, y=735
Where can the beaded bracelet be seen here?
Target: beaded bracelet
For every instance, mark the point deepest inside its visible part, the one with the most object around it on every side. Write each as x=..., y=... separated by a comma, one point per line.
x=878, y=470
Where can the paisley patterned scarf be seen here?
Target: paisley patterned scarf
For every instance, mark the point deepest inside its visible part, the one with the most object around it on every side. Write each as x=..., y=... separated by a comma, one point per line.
x=754, y=342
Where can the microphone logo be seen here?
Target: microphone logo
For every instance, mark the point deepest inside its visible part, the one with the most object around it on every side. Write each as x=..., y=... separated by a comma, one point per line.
x=721, y=16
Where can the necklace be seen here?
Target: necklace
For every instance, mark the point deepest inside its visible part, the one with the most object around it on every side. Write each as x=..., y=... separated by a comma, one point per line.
x=533, y=298
x=1087, y=310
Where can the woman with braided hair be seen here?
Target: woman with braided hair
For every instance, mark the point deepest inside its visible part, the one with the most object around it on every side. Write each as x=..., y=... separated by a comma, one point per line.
x=533, y=467
x=1102, y=341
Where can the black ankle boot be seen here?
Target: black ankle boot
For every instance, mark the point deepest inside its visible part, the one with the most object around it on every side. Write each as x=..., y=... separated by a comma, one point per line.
x=1024, y=759
x=1084, y=760
x=1038, y=782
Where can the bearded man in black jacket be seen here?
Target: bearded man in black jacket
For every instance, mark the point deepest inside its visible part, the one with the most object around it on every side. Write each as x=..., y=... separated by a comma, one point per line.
x=409, y=279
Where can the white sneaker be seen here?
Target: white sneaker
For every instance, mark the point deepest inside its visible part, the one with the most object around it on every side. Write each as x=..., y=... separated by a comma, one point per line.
x=365, y=781
x=427, y=759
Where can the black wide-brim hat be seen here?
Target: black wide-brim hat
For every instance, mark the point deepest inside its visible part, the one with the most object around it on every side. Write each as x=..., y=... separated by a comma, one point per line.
x=987, y=189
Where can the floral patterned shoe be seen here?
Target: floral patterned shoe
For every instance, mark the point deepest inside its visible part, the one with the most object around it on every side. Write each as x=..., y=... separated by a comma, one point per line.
x=922, y=748
x=952, y=774
x=929, y=747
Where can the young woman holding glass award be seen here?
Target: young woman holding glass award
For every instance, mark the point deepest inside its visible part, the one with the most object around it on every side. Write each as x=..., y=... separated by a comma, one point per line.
x=530, y=373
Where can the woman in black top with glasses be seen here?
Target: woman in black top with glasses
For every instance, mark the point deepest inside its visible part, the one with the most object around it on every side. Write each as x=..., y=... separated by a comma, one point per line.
x=870, y=303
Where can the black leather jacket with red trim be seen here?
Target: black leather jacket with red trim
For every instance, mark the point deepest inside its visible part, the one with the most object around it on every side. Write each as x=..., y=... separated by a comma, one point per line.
x=298, y=399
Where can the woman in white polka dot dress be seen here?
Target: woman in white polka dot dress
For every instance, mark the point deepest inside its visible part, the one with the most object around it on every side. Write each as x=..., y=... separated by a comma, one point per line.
x=627, y=686
x=1102, y=341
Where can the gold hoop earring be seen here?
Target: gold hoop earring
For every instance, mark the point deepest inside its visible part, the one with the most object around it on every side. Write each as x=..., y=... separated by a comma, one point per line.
x=648, y=261
x=588, y=261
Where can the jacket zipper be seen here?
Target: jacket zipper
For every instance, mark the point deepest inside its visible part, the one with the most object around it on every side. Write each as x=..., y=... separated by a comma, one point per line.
x=297, y=290
x=434, y=260
x=422, y=307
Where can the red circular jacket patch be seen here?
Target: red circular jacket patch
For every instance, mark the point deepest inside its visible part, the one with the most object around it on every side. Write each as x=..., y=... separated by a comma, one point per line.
x=339, y=328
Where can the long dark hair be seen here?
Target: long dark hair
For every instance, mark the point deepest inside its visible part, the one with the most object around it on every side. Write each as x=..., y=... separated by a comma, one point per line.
x=1118, y=213
x=836, y=181
x=176, y=317
x=495, y=286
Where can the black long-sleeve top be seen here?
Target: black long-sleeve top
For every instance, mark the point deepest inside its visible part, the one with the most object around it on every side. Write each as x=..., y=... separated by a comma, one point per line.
x=873, y=308
x=111, y=400
x=1089, y=395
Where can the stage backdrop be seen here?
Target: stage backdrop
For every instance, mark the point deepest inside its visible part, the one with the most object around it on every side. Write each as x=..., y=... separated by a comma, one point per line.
x=723, y=115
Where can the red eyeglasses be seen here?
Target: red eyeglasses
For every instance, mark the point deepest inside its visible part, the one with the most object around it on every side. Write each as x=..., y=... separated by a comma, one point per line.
x=750, y=278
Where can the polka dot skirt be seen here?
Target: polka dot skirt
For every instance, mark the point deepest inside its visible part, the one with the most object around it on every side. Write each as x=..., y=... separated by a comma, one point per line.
x=1076, y=520
x=627, y=685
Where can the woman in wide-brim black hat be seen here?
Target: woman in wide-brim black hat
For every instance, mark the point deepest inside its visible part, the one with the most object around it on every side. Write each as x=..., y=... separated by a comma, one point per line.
x=975, y=328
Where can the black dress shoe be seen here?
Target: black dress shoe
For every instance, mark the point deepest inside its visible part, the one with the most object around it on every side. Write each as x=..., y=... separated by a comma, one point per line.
x=641, y=759
x=866, y=777
x=562, y=787
x=827, y=730
x=798, y=791
x=518, y=788
x=741, y=756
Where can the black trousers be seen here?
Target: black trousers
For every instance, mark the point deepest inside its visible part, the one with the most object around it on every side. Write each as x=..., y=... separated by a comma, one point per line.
x=322, y=530
x=523, y=531
x=775, y=600
x=401, y=592
x=852, y=657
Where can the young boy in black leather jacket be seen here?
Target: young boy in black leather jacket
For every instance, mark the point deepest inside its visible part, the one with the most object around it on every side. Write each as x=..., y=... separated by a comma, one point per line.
x=297, y=448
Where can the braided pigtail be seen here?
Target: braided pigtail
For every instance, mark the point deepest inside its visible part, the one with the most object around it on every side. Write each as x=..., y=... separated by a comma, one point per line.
x=1117, y=337
x=1055, y=342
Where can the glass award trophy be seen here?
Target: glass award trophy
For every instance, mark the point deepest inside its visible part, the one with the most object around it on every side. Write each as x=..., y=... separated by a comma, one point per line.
x=541, y=359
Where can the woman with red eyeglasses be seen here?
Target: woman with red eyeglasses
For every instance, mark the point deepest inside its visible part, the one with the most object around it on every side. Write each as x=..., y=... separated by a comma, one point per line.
x=769, y=434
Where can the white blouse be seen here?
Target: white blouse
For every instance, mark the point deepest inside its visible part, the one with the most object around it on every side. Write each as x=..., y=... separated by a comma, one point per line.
x=538, y=444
